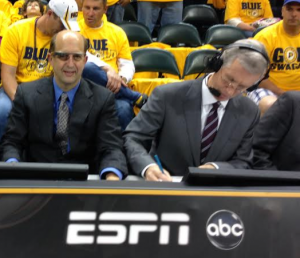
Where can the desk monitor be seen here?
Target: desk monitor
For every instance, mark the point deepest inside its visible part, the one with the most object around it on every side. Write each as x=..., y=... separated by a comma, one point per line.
x=43, y=171
x=241, y=177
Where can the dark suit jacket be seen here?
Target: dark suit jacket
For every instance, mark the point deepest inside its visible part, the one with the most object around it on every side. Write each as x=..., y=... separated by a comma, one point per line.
x=172, y=116
x=276, y=139
x=94, y=132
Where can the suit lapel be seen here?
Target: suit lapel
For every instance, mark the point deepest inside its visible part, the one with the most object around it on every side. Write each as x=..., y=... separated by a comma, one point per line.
x=81, y=109
x=227, y=127
x=44, y=107
x=192, y=110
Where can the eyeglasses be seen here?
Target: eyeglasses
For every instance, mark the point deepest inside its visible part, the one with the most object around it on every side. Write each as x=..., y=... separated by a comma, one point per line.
x=231, y=83
x=65, y=56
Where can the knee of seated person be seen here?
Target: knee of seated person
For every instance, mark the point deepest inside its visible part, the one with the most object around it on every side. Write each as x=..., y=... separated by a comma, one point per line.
x=124, y=112
x=95, y=74
x=265, y=103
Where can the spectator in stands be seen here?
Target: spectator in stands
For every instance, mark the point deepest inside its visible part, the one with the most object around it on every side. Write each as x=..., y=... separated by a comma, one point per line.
x=109, y=49
x=115, y=10
x=24, y=50
x=32, y=8
x=243, y=13
x=180, y=120
x=276, y=139
x=64, y=118
x=282, y=41
x=148, y=12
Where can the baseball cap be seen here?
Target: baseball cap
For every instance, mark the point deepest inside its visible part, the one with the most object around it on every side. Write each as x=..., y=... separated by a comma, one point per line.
x=67, y=11
x=291, y=1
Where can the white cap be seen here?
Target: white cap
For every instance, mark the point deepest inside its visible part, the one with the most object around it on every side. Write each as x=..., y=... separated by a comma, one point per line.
x=67, y=11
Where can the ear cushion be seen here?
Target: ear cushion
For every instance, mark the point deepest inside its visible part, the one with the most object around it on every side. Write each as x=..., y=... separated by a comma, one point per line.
x=215, y=63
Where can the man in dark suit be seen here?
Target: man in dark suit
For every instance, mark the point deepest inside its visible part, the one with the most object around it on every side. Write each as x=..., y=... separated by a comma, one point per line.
x=276, y=140
x=175, y=124
x=65, y=118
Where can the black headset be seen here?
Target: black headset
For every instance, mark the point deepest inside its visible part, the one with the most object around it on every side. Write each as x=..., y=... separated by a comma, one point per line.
x=215, y=63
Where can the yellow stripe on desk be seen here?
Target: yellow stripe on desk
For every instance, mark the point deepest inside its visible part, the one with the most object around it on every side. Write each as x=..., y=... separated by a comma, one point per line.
x=149, y=192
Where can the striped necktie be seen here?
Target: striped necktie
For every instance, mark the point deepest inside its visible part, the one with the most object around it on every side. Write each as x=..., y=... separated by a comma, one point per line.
x=209, y=131
x=62, y=123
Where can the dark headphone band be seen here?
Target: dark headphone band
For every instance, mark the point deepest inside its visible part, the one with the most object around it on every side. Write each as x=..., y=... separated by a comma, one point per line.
x=215, y=63
x=249, y=47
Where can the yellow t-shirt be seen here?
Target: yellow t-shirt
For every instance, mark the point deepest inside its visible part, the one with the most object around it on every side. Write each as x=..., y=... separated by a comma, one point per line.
x=80, y=16
x=5, y=7
x=248, y=10
x=219, y=4
x=16, y=11
x=108, y=43
x=17, y=49
x=4, y=23
x=111, y=2
x=284, y=53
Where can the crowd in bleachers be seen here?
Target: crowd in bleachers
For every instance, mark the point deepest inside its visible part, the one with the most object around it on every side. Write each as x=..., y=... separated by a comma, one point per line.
x=161, y=42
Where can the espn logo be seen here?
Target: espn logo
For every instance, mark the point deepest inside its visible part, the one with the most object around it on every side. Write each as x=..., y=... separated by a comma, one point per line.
x=131, y=232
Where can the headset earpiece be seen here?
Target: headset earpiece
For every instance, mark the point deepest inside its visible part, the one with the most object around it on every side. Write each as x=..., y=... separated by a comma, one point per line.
x=215, y=63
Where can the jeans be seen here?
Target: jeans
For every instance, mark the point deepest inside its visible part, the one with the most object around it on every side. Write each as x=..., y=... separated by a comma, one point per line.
x=98, y=76
x=115, y=13
x=148, y=13
x=5, y=108
x=248, y=33
x=124, y=98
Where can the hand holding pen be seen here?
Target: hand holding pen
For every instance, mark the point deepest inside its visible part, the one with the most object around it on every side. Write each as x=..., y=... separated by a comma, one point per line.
x=157, y=173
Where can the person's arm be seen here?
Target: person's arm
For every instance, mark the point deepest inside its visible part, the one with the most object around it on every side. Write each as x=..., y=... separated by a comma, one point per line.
x=14, y=139
x=126, y=69
x=271, y=129
x=237, y=22
x=114, y=80
x=142, y=130
x=109, y=141
x=267, y=84
x=245, y=26
x=9, y=82
x=125, y=64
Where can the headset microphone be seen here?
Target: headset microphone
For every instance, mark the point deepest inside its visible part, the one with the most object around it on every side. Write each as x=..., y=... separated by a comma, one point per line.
x=214, y=92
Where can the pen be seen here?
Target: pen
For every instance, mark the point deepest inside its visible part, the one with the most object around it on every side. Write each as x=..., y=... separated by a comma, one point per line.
x=159, y=163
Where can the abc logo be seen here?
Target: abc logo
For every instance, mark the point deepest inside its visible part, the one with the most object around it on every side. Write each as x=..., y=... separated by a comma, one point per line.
x=225, y=230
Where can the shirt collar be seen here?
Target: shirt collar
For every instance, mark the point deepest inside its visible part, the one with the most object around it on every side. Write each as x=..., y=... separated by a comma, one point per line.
x=207, y=97
x=58, y=91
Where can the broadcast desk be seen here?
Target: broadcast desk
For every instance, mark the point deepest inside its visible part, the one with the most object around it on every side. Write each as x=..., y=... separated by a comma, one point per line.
x=41, y=219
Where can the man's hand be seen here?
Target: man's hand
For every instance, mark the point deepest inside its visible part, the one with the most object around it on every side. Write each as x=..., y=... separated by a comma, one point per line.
x=153, y=173
x=124, y=2
x=114, y=81
x=111, y=177
x=207, y=166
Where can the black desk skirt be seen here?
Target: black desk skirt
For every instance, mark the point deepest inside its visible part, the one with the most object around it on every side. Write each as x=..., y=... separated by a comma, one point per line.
x=141, y=219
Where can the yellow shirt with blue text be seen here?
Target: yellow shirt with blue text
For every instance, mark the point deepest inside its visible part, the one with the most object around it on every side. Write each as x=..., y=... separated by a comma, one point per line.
x=284, y=54
x=108, y=43
x=26, y=48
